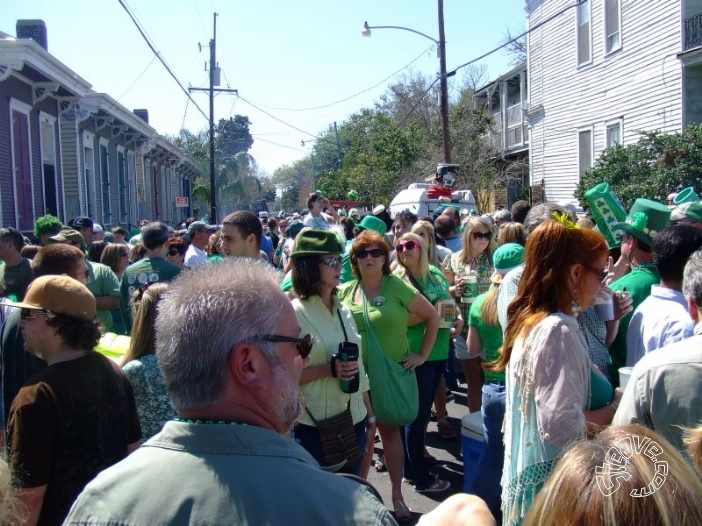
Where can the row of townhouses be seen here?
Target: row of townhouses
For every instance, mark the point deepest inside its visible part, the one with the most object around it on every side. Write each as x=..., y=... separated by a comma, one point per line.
x=597, y=73
x=69, y=151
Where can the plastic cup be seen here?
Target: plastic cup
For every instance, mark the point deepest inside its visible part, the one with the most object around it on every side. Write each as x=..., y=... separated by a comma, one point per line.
x=624, y=375
x=604, y=305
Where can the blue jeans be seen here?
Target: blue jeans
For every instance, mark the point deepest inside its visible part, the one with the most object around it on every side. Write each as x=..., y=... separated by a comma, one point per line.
x=416, y=468
x=486, y=484
x=308, y=437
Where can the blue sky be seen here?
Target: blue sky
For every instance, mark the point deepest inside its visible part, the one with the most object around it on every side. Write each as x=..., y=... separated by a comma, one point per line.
x=280, y=55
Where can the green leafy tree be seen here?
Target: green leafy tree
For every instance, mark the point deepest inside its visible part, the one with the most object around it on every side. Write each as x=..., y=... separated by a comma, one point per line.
x=236, y=172
x=655, y=166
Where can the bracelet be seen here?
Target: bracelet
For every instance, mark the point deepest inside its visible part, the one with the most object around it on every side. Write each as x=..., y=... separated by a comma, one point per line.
x=614, y=405
x=372, y=420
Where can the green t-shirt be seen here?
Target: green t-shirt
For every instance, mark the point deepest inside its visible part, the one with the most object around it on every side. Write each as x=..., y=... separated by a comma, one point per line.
x=388, y=314
x=638, y=283
x=287, y=283
x=346, y=269
x=17, y=279
x=435, y=287
x=490, y=337
x=143, y=271
x=103, y=282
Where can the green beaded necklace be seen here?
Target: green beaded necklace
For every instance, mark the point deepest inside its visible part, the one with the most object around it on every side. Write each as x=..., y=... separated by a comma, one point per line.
x=216, y=422
x=646, y=264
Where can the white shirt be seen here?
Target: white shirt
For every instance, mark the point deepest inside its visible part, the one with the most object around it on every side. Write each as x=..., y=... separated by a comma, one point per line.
x=660, y=320
x=194, y=256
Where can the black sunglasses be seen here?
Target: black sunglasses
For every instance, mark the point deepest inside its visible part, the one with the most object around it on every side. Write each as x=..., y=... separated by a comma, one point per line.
x=304, y=344
x=481, y=235
x=374, y=253
x=173, y=253
x=601, y=274
x=26, y=314
x=407, y=245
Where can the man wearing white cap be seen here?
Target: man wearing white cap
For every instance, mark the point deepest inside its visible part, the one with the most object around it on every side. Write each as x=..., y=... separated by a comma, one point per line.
x=199, y=234
x=98, y=232
x=76, y=417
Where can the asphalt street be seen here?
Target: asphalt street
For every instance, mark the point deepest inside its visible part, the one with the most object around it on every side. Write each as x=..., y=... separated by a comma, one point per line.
x=449, y=464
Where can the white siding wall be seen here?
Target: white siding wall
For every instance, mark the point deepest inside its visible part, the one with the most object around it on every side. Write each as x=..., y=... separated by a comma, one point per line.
x=640, y=83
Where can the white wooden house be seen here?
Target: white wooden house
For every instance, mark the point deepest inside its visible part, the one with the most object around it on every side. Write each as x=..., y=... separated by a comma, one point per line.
x=602, y=71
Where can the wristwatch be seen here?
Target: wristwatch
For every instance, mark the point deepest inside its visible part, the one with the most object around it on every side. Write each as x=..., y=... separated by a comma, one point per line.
x=372, y=420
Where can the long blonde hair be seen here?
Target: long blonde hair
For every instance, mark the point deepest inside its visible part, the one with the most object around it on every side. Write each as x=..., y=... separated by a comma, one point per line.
x=143, y=340
x=432, y=254
x=475, y=223
x=401, y=270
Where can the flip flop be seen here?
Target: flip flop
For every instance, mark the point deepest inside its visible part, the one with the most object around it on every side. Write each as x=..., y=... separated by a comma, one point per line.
x=402, y=514
x=380, y=466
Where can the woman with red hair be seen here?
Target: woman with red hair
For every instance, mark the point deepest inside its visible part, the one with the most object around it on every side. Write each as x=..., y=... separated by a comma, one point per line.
x=545, y=354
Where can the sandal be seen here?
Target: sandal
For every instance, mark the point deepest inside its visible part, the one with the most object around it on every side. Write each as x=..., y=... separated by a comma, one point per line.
x=446, y=431
x=380, y=466
x=402, y=513
x=436, y=487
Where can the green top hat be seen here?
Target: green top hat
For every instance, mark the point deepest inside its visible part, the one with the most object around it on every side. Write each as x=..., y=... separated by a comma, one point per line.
x=317, y=243
x=645, y=220
x=686, y=195
x=370, y=222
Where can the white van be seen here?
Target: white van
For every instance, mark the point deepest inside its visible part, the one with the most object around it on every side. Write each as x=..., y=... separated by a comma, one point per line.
x=415, y=199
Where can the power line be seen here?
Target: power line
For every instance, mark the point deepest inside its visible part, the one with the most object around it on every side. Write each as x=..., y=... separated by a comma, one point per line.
x=505, y=44
x=277, y=119
x=277, y=144
x=136, y=80
x=355, y=94
x=158, y=56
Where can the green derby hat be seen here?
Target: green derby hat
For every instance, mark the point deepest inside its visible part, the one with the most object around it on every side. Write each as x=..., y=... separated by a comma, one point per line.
x=317, y=243
x=370, y=222
x=645, y=220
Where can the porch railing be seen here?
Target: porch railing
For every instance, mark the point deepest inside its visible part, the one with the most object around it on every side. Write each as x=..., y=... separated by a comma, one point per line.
x=693, y=32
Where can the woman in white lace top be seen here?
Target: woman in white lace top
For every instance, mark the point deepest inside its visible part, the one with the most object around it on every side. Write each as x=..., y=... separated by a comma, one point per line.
x=546, y=359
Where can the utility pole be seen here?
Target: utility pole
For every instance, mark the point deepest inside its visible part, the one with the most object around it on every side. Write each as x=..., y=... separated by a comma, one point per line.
x=214, y=81
x=338, y=147
x=444, y=86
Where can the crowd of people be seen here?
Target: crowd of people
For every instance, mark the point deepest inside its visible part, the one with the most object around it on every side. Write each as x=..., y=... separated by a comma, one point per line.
x=254, y=365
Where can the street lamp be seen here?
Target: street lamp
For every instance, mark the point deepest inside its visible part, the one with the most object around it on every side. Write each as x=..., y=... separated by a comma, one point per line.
x=441, y=49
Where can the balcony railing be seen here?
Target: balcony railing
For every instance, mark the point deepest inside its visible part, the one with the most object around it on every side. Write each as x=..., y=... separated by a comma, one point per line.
x=693, y=32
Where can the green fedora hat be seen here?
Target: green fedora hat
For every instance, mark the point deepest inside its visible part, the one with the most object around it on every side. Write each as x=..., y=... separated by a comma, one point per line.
x=645, y=220
x=370, y=222
x=317, y=243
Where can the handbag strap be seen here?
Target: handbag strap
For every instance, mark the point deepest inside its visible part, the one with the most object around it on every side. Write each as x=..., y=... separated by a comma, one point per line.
x=366, y=317
x=346, y=337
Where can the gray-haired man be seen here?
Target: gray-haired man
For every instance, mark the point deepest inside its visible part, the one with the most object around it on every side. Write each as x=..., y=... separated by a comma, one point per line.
x=229, y=346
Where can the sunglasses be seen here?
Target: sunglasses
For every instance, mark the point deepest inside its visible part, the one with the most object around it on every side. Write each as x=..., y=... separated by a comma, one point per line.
x=407, y=245
x=173, y=253
x=304, y=344
x=28, y=314
x=601, y=274
x=480, y=235
x=331, y=262
x=374, y=253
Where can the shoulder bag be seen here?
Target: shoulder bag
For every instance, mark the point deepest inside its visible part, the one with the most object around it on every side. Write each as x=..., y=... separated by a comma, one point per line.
x=337, y=434
x=393, y=388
